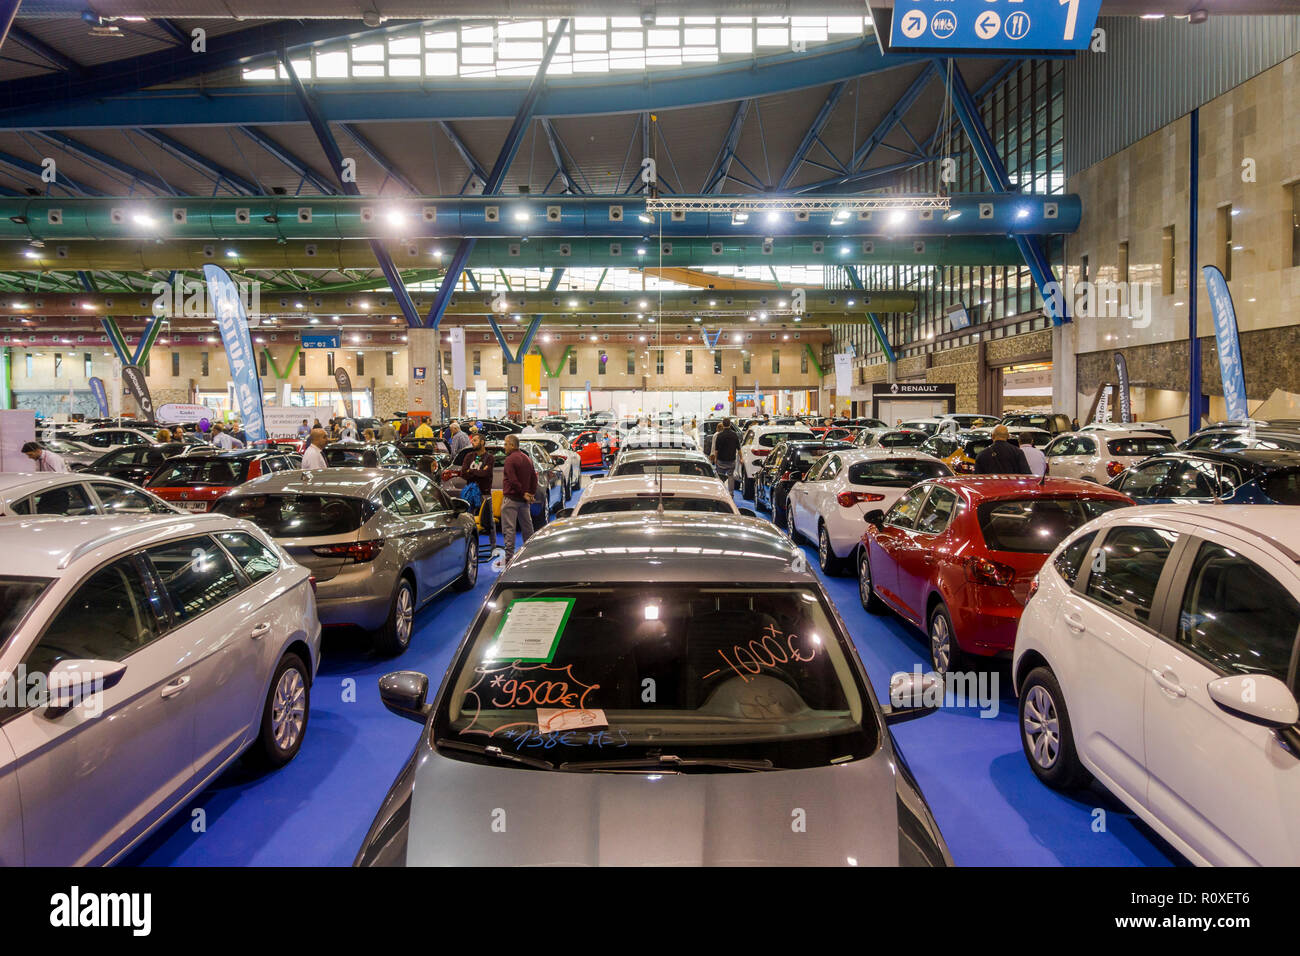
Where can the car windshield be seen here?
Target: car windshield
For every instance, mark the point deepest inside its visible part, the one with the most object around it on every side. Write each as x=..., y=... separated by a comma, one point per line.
x=296, y=516
x=1037, y=525
x=61, y=447
x=910, y=439
x=1139, y=447
x=896, y=473
x=650, y=502
x=1027, y=421
x=928, y=427
x=1283, y=486
x=701, y=469
x=350, y=457
x=201, y=471
x=772, y=439
x=17, y=595
x=681, y=676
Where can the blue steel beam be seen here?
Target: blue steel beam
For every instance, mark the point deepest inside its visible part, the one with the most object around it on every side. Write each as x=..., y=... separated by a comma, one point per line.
x=856, y=282
x=717, y=177
x=514, y=137
x=475, y=167
x=892, y=118
x=237, y=183
x=982, y=146
x=388, y=167
x=813, y=134
x=33, y=169
x=257, y=104
x=172, y=30
x=299, y=166
x=89, y=152
x=557, y=153
x=331, y=147
x=44, y=50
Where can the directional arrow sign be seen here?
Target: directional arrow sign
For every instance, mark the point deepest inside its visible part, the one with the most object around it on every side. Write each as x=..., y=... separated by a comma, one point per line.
x=988, y=25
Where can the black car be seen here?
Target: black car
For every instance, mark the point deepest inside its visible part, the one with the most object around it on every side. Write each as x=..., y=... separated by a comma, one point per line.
x=358, y=454
x=429, y=455
x=492, y=429
x=136, y=463
x=787, y=464
x=1250, y=477
x=1232, y=437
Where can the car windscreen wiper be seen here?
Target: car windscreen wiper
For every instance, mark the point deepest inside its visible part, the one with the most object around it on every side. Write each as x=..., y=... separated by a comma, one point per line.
x=492, y=750
x=668, y=762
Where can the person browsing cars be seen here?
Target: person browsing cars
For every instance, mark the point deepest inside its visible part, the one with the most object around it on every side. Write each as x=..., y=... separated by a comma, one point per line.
x=1001, y=457
x=518, y=486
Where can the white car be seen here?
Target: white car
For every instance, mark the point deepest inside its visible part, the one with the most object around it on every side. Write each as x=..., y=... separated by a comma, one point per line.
x=75, y=494
x=141, y=656
x=650, y=492
x=966, y=422
x=1157, y=653
x=557, y=445
x=931, y=426
x=106, y=439
x=1101, y=455
x=830, y=505
x=1149, y=427
x=758, y=442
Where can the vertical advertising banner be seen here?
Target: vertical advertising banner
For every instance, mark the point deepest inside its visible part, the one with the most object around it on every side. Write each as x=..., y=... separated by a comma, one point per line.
x=843, y=374
x=232, y=323
x=344, y=382
x=457, y=337
x=532, y=380
x=1125, y=399
x=101, y=395
x=444, y=400
x=133, y=375
x=1226, y=337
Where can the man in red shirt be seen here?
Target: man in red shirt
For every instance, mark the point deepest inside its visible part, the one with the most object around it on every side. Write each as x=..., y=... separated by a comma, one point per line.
x=518, y=488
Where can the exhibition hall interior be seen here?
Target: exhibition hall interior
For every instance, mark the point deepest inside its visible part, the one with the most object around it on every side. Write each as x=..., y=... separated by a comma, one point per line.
x=640, y=433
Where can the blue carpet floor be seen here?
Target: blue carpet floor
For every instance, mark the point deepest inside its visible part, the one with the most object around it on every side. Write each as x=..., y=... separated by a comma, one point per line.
x=315, y=811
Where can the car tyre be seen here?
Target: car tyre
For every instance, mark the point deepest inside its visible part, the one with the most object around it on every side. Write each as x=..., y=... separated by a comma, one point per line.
x=945, y=654
x=284, y=714
x=395, y=636
x=871, y=601
x=826, y=559
x=1046, y=734
x=790, y=528
x=469, y=577
x=778, y=513
x=747, y=491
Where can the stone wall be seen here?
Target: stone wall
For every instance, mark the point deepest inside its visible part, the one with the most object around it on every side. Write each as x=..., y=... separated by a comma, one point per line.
x=961, y=367
x=913, y=367
x=873, y=373
x=1015, y=348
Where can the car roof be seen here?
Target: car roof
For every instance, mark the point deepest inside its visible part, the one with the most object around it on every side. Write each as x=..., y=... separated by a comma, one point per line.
x=1113, y=433
x=637, y=546
x=667, y=451
x=877, y=454
x=990, y=487
x=344, y=482
x=1265, y=458
x=1279, y=526
x=45, y=546
x=781, y=428
x=629, y=486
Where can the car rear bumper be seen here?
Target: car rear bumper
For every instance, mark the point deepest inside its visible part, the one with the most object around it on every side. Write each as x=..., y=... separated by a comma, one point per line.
x=356, y=595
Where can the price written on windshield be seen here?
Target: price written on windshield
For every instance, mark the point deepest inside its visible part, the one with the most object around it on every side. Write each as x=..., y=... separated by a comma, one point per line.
x=769, y=650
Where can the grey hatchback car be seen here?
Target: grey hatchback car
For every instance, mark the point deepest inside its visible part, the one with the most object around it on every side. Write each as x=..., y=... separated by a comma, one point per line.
x=379, y=543
x=651, y=689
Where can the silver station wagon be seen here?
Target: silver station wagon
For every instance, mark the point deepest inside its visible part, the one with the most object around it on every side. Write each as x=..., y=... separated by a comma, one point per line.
x=651, y=689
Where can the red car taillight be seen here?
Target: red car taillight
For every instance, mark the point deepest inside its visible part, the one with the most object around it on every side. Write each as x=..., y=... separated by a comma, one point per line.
x=784, y=477
x=1113, y=468
x=848, y=499
x=990, y=573
x=760, y=452
x=311, y=579
x=1033, y=587
x=358, y=551
x=449, y=473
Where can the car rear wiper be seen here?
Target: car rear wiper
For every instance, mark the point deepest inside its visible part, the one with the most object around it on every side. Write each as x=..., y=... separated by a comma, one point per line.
x=491, y=750
x=668, y=762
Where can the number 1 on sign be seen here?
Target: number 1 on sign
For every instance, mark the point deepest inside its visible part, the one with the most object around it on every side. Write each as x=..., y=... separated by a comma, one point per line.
x=1071, y=16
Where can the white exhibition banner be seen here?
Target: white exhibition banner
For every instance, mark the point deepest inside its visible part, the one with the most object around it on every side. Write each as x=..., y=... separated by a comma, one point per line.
x=17, y=427
x=457, y=337
x=283, y=421
x=843, y=374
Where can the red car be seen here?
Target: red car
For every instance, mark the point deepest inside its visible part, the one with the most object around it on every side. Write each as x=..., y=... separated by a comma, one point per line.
x=591, y=447
x=958, y=556
x=192, y=483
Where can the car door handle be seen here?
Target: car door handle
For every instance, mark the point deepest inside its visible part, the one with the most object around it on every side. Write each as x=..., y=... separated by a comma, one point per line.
x=176, y=686
x=261, y=630
x=1169, y=684
x=1074, y=622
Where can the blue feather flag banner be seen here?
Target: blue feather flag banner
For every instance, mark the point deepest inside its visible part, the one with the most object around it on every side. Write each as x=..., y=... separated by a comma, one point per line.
x=232, y=323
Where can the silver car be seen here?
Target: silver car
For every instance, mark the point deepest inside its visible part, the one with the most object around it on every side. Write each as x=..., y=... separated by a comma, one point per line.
x=379, y=543
x=140, y=656
x=74, y=494
x=663, y=461
x=654, y=690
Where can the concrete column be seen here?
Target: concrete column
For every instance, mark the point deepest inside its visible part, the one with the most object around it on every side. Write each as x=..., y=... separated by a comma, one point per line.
x=553, y=394
x=515, y=389
x=422, y=352
x=1065, y=388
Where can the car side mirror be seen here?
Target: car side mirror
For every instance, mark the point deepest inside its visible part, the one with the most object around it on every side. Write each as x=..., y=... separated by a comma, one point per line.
x=1257, y=698
x=404, y=693
x=564, y=513
x=875, y=518
x=460, y=506
x=73, y=682
x=748, y=512
x=913, y=695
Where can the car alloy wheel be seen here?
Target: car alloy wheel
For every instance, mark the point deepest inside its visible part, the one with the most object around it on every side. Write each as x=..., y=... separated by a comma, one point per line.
x=405, y=614
x=288, y=711
x=1041, y=727
x=790, y=529
x=471, y=563
x=825, y=554
x=864, y=580
x=940, y=643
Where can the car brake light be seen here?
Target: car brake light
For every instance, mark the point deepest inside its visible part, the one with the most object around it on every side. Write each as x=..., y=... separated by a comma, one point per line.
x=1033, y=586
x=311, y=579
x=760, y=452
x=358, y=551
x=449, y=473
x=991, y=573
x=848, y=499
x=1113, y=468
x=785, y=476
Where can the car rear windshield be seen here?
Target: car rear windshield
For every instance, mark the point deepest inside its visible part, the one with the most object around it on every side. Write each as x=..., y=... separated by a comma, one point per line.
x=350, y=457
x=903, y=439
x=772, y=439
x=17, y=595
x=896, y=473
x=648, y=502
x=201, y=471
x=1135, y=447
x=700, y=469
x=296, y=516
x=745, y=677
x=1283, y=486
x=1037, y=525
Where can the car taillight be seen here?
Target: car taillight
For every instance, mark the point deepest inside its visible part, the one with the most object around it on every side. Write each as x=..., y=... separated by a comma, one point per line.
x=760, y=452
x=1113, y=468
x=849, y=498
x=358, y=551
x=1033, y=587
x=984, y=571
x=449, y=473
x=785, y=476
x=311, y=579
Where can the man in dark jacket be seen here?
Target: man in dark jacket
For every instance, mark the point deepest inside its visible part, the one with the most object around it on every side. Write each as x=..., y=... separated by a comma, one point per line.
x=478, y=469
x=726, y=448
x=518, y=488
x=1001, y=457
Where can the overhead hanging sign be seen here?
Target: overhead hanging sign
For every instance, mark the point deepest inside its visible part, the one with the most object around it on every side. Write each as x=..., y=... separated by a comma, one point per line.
x=326, y=340
x=1229, y=343
x=986, y=25
x=457, y=338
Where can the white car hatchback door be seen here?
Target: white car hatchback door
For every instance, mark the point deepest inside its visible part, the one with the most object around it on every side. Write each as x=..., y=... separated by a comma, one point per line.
x=1072, y=456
